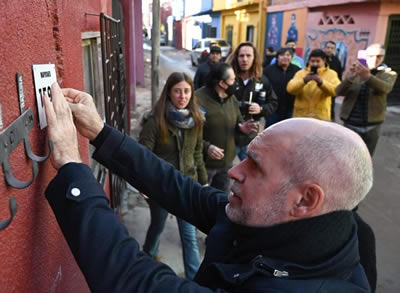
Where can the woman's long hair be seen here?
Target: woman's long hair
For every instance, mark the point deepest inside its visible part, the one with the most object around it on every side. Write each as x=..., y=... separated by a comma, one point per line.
x=255, y=69
x=160, y=109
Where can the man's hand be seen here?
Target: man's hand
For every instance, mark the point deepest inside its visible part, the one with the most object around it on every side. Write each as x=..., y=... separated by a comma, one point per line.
x=362, y=71
x=317, y=79
x=352, y=72
x=308, y=77
x=87, y=120
x=254, y=108
x=61, y=129
x=248, y=126
x=215, y=152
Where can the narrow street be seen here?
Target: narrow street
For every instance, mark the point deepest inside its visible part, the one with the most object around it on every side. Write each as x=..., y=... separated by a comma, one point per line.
x=379, y=209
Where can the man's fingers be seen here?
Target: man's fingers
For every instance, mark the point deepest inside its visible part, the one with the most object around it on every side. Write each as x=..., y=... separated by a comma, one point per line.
x=72, y=94
x=74, y=107
x=48, y=106
x=59, y=102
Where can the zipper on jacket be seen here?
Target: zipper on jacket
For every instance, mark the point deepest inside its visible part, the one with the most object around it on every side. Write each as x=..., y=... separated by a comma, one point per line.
x=275, y=272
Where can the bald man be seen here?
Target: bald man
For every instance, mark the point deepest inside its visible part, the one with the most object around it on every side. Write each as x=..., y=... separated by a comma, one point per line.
x=286, y=225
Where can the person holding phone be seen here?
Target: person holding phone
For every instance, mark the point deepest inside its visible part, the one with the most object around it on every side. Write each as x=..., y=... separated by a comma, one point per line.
x=365, y=89
x=313, y=88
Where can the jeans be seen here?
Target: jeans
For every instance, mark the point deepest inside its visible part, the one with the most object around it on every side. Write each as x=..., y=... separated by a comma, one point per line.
x=275, y=118
x=241, y=152
x=187, y=232
x=218, y=178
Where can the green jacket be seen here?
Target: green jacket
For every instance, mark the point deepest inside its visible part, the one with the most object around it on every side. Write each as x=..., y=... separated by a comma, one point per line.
x=380, y=86
x=222, y=118
x=183, y=152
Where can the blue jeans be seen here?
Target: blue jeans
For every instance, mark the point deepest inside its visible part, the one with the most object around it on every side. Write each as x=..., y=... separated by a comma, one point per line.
x=241, y=152
x=187, y=232
x=275, y=118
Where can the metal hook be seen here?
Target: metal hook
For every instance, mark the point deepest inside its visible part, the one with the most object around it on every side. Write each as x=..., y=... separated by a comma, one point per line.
x=10, y=138
x=12, y=203
x=14, y=182
x=34, y=157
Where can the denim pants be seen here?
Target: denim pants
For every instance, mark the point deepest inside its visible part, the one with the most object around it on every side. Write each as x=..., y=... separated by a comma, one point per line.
x=187, y=232
x=275, y=118
x=241, y=152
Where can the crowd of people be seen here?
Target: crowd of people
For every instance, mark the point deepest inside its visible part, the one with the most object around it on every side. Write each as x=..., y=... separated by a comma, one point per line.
x=283, y=219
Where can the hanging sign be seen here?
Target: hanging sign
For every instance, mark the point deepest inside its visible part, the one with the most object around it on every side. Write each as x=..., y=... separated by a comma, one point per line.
x=44, y=76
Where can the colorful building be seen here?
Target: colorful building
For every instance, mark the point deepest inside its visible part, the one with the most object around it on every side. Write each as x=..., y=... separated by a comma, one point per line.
x=242, y=21
x=352, y=24
x=34, y=254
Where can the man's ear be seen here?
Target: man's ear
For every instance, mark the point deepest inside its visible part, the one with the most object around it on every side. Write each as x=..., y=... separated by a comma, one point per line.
x=221, y=84
x=308, y=201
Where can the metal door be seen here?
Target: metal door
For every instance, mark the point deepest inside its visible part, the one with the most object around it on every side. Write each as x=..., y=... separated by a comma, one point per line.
x=392, y=58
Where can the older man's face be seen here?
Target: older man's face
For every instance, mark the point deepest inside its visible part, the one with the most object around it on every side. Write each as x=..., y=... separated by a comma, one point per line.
x=258, y=196
x=375, y=57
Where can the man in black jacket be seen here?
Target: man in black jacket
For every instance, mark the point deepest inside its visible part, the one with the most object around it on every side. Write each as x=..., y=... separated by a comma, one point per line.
x=286, y=226
x=254, y=93
x=279, y=74
x=204, y=69
x=334, y=64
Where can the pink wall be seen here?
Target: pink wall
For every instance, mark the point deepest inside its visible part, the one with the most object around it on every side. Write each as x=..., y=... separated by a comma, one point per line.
x=356, y=32
x=34, y=255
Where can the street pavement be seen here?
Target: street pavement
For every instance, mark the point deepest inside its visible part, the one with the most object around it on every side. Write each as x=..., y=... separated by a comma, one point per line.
x=379, y=209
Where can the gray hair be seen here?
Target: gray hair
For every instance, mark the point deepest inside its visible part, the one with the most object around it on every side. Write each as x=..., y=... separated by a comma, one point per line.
x=340, y=164
x=377, y=46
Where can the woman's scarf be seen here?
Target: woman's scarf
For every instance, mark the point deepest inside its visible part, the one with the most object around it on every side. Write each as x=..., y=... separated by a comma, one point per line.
x=181, y=118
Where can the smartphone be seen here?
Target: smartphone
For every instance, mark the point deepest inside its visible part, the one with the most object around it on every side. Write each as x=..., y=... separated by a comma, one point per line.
x=314, y=69
x=362, y=57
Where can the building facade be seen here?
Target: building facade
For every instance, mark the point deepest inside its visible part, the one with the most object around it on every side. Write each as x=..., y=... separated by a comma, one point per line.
x=242, y=21
x=34, y=254
x=352, y=24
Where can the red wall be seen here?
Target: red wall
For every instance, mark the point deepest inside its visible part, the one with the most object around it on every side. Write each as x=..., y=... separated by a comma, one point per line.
x=34, y=255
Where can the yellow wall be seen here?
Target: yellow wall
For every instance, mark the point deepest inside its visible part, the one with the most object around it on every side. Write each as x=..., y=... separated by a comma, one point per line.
x=239, y=19
x=229, y=4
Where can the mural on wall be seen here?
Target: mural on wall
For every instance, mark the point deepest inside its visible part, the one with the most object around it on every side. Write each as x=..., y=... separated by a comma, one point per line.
x=347, y=43
x=274, y=30
x=292, y=33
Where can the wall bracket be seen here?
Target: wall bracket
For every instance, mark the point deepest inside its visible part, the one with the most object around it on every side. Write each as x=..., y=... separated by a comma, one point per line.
x=10, y=137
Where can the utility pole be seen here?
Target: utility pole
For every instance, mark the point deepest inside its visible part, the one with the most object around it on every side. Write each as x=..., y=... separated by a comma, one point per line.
x=155, y=52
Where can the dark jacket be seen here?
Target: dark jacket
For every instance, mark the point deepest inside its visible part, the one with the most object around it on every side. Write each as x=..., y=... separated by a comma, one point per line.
x=184, y=151
x=201, y=75
x=222, y=119
x=279, y=80
x=380, y=85
x=335, y=65
x=237, y=259
x=262, y=94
